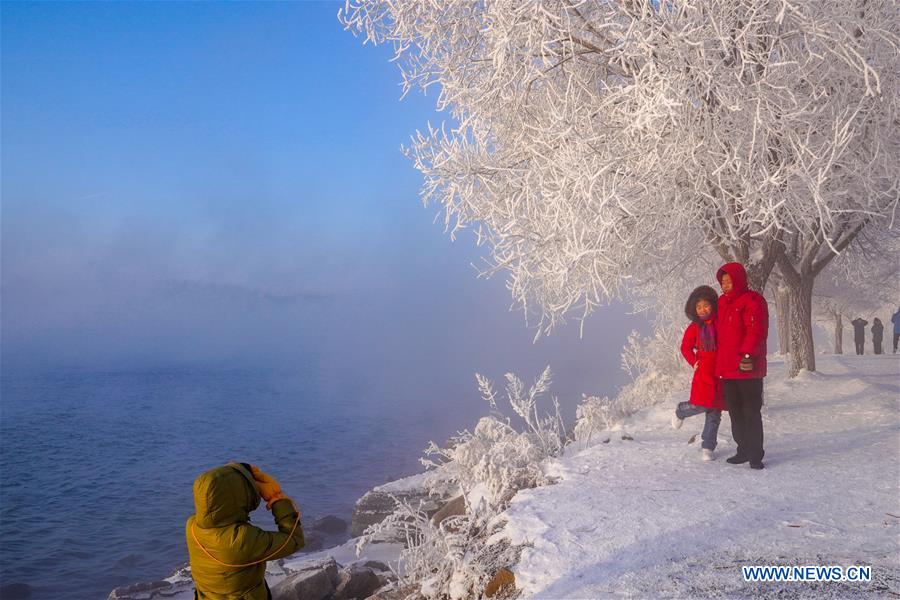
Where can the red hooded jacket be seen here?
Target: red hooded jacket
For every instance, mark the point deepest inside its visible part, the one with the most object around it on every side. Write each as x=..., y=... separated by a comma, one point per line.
x=706, y=390
x=742, y=326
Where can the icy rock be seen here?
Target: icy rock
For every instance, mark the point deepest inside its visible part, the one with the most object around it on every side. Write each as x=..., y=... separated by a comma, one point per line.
x=499, y=584
x=454, y=508
x=312, y=541
x=378, y=503
x=314, y=580
x=356, y=583
x=329, y=524
x=392, y=592
x=376, y=565
x=152, y=590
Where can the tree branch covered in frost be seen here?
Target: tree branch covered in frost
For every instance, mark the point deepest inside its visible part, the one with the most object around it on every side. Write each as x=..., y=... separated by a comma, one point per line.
x=593, y=136
x=865, y=277
x=863, y=281
x=496, y=460
x=456, y=558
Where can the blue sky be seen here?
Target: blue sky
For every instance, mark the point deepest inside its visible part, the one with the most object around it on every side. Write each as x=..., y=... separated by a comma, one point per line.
x=221, y=184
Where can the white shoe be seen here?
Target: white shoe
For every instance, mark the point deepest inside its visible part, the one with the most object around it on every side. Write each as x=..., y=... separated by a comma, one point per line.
x=676, y=422
x=708, y=455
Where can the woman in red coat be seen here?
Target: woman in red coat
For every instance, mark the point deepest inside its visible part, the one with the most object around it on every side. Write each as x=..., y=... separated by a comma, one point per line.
x=698, y=346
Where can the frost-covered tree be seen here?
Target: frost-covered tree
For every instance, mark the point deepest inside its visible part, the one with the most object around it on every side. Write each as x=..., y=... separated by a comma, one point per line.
x=863, y=281
x=592, y=139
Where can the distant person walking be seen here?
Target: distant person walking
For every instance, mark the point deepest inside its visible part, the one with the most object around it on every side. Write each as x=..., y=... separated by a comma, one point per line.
x=895, y=319
x=859, y=334
x=877, y=336
x=698, y=346
x=228, y=554
x=742, y=328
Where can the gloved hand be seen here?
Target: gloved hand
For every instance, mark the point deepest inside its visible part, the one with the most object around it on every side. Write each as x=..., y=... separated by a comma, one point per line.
x=268, y=488
x=746, y=365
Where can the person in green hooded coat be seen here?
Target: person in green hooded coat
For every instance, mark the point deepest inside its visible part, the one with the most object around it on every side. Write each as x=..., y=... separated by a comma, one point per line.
x=228, y=555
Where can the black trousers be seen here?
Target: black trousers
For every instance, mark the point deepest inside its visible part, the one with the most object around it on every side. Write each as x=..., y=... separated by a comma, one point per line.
x=860, y=346
x=896, y=339
x=744, y=400
x=877, y=346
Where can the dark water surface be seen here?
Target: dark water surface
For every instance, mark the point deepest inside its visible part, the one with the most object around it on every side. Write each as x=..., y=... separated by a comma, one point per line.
x=96, y=467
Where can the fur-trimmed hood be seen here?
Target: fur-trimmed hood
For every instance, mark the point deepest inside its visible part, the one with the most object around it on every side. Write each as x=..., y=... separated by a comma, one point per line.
x=704, y=292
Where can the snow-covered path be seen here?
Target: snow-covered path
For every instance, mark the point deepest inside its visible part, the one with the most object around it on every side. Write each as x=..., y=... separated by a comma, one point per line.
x=647, y=518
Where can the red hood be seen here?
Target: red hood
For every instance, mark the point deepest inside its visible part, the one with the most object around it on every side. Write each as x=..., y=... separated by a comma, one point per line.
x=738, y=277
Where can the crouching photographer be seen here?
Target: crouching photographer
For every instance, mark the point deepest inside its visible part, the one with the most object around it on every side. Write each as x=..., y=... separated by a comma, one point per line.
x=228, y=555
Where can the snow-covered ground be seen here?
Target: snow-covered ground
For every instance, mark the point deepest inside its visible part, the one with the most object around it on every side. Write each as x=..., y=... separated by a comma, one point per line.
x=647, y=518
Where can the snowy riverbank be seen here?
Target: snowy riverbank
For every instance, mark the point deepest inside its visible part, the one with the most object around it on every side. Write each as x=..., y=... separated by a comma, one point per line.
x=647, y=518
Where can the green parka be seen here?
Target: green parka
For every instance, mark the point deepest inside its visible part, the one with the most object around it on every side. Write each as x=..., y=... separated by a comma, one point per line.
x=224, y=497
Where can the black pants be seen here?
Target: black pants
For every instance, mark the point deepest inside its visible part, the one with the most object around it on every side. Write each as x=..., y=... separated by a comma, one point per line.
x=744, y=400
x=877, y=346
x=860, y=346
x=896, y=339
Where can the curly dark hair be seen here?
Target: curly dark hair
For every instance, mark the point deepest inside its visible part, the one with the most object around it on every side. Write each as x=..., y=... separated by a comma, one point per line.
x=704, y=292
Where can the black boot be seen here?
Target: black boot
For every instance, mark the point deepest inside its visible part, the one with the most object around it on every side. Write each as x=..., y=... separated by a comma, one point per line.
x=757, y=465
x=737, y=459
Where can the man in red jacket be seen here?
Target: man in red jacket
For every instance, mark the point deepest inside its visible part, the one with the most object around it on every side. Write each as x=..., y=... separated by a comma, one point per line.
x=742, y=329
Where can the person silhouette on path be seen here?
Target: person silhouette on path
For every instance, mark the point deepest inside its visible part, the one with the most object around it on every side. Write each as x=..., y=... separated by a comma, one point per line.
x=895, y=319
x=877, y=336
x=859, y=334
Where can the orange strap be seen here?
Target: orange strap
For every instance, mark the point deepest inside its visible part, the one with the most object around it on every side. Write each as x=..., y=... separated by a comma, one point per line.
x=205, y=551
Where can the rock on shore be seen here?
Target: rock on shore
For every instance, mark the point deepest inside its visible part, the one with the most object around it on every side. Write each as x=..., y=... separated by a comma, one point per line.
x=381, y=501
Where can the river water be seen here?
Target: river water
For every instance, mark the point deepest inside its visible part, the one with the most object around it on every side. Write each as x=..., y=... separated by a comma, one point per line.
x=97, y=466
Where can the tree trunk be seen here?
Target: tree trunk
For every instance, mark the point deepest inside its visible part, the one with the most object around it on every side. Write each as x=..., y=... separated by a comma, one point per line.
x=757, y=277
x=838, y=334
x=758, y=270
x=803, y=354
x=783, y=319
x=799, y=267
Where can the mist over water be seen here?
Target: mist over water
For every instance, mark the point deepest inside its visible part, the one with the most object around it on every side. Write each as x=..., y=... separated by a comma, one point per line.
x=98, y=463
x=213, y=250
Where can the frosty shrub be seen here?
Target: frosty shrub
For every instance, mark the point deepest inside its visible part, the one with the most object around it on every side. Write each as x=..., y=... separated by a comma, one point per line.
x=655, y=366
x=657, y=373
x=457, y=557
x=595, y=415
x=496, y=460
x=454, y=559
x=493, y=463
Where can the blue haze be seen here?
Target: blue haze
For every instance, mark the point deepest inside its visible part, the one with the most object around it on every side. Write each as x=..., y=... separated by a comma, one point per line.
x=213, y=249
